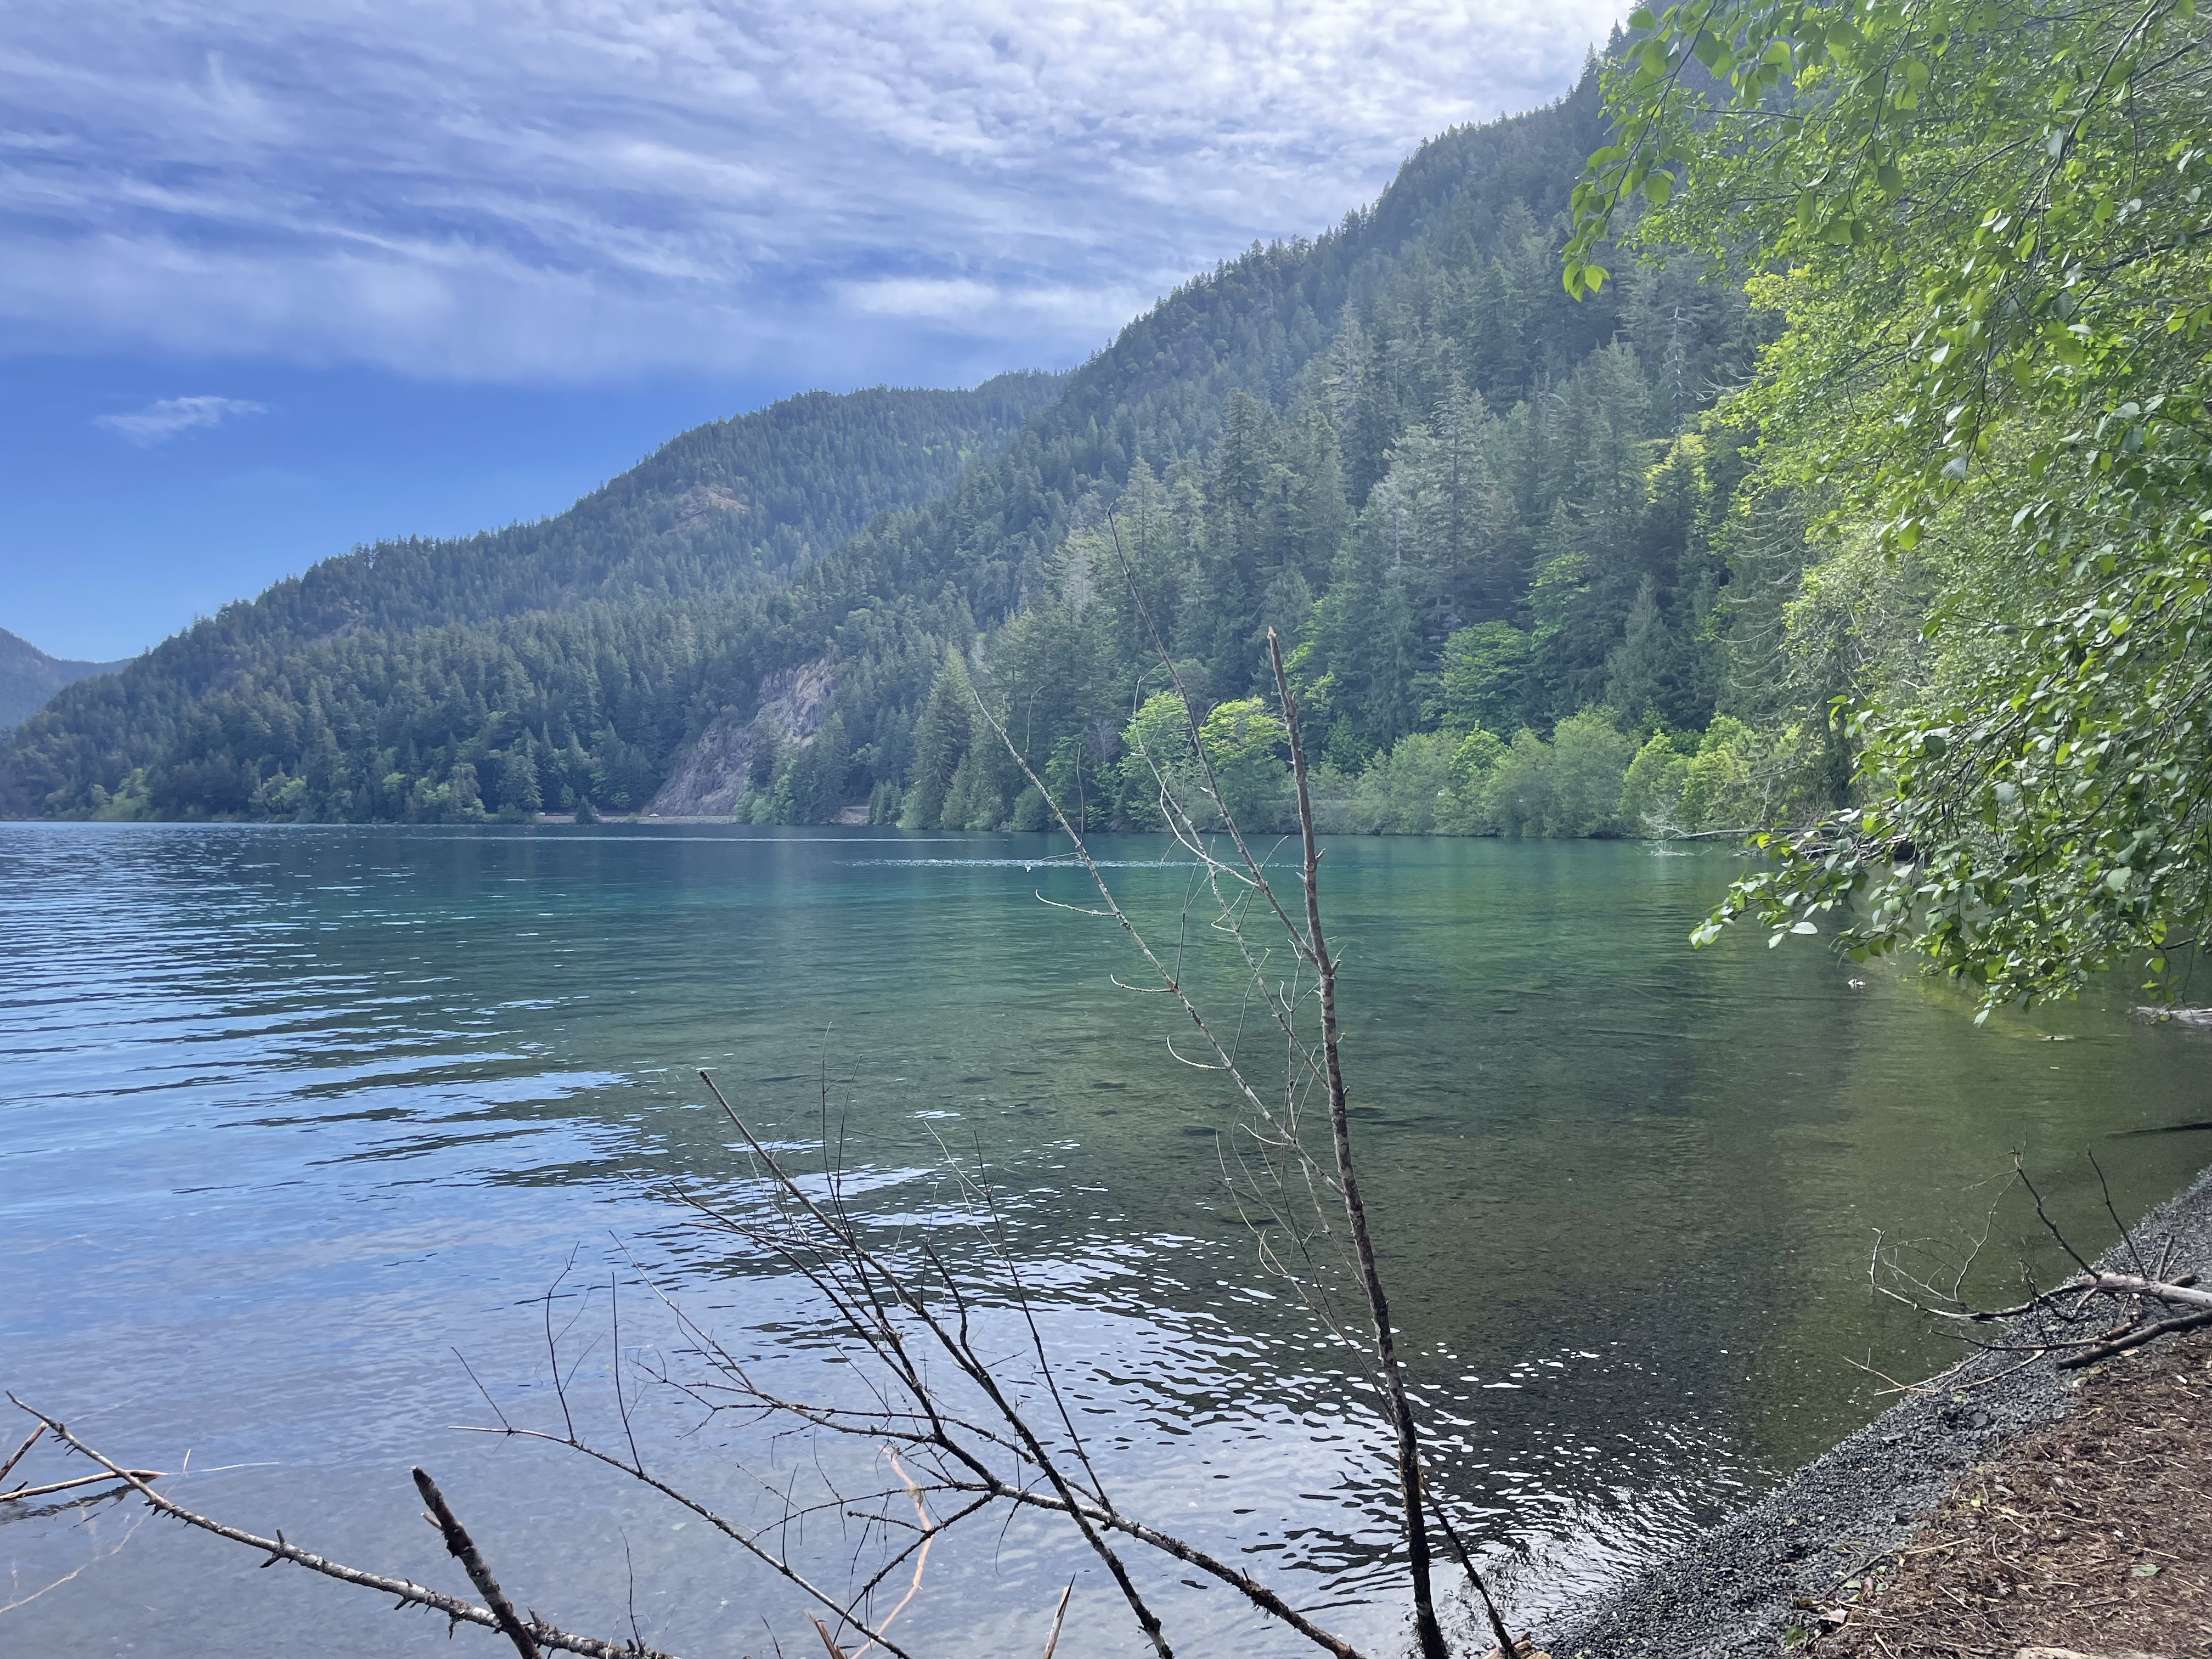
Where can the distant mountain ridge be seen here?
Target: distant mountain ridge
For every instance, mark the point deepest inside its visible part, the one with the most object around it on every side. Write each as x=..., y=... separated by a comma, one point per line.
x=28, y=676
x=730, y=506
x=1477, y=513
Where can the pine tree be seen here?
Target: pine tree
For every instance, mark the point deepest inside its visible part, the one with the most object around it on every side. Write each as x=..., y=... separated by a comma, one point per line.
x=518, y=791
x=941, y=742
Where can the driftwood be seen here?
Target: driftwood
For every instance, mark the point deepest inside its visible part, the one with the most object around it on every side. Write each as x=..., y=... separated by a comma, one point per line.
x=2072, y=1322
x=406, y=1591
x=463, y=1549
x=17, y=1493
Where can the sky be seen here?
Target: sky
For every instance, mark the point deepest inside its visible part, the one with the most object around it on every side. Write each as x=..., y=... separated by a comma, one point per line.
x=283, y=277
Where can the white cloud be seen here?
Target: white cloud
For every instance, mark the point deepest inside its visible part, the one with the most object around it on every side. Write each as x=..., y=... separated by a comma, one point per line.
x=962, y=300
x=526, y=189
x=160, y=422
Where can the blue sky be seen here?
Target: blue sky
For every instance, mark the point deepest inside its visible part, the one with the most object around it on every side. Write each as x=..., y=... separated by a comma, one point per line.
x=283, y=276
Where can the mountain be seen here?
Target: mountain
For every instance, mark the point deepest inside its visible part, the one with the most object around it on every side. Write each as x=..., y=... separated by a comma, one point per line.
x=727, y=508
x=28, y=676
x=1492, y=527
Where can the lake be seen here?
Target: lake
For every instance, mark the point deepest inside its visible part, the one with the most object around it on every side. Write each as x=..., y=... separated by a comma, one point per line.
x=294, y=1119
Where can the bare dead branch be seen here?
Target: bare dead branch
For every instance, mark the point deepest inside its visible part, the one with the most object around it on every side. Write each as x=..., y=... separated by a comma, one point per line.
x=2044, y=1215
x=1429, y=1633
x=407, y=1592
x=747, y=1542
x=2135, y=1338
x=53, y=1486
x=1060, y=1612
x=2050, y=1323
x=1467, y=1565
x=1253, y=1591
x=16, y=1455
x=958, y=1348
x=463, y=1549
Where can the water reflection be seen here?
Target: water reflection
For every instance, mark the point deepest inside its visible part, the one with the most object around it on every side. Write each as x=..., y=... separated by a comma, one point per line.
x=291, y=1113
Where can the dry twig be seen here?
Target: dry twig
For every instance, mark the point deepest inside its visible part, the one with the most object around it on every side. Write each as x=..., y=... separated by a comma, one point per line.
x=407, y=1592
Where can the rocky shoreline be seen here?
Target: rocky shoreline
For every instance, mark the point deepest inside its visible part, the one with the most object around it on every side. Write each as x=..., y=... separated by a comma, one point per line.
x=1742, y=1587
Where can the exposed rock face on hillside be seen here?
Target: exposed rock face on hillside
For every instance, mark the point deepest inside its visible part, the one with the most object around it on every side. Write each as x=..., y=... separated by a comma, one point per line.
x=712, y=770
x=702, y=503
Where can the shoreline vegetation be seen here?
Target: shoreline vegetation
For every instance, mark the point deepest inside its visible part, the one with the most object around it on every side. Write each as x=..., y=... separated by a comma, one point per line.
x=1589, y=780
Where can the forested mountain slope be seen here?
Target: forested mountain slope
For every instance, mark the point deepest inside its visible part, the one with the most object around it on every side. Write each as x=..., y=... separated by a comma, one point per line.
x=28, y=675
x=1481, y=514
x=722, y=510
x=1464, y=501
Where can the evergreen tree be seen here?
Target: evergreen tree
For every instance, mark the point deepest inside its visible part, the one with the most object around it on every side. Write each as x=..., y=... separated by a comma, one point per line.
x=518, y=791
x=942, y=739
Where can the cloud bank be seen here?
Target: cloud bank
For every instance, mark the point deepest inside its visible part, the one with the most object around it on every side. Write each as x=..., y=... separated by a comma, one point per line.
x=160, y=422
x=569, y=190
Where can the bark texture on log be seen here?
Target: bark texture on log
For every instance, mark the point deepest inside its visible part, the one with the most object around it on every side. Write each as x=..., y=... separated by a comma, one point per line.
x=463, y=1549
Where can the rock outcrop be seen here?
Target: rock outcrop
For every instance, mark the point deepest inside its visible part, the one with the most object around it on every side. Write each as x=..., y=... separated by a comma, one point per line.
x=712, y=770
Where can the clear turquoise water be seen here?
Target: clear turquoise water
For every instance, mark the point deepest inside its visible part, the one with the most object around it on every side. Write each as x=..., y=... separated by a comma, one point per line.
x=288, y=1117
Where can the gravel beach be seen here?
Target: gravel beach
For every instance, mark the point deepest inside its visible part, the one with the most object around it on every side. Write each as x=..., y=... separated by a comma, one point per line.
x=1737, y=1591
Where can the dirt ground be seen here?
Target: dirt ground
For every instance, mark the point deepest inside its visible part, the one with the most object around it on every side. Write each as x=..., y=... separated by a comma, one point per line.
x=2092, y=1533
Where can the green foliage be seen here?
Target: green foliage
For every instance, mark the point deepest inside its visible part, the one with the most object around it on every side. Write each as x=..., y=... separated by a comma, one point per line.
x=1988, y=223
x=1472, y=784
x=1486, y=677
x=1158, y=762
x=1249, y=746
x=1731, y=779
x=1569, y=787
x=1409, y=789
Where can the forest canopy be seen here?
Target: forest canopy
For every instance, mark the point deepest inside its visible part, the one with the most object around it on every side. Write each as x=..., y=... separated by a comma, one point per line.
x=1985, y=226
